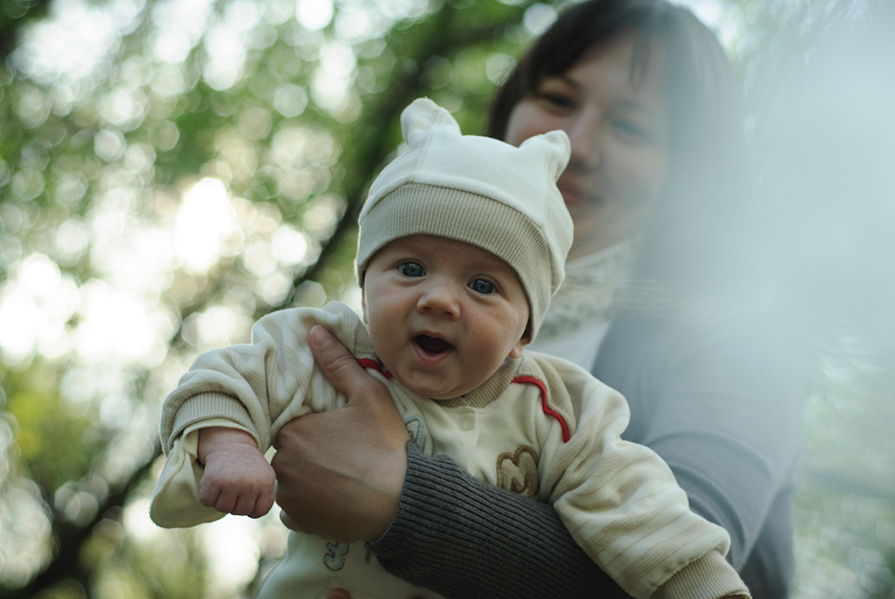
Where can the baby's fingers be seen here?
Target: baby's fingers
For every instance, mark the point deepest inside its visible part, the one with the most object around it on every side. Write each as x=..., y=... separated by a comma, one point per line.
x=220, y=497
x=244, y=505
x=263, y=503
x=209, y=492
x=230, y=501
x=252, y=498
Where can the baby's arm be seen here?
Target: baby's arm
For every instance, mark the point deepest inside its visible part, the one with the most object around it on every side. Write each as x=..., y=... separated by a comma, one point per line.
x=621, y=503
x=255, y=389
x=237, y=478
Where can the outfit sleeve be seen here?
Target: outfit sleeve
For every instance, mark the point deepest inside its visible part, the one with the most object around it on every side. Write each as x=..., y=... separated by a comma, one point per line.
x=623, y=506
x=256, y=388
x=722, y=406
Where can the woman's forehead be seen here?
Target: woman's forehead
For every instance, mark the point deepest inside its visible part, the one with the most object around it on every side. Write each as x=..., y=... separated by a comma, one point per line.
x=638, y=55
x=619, y=68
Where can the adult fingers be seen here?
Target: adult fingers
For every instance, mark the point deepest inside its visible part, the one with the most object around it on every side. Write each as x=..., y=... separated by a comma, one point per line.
x=340, y=473
x=340, y=367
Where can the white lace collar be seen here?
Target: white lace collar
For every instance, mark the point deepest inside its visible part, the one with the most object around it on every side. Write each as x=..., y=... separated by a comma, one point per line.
x=592, y=290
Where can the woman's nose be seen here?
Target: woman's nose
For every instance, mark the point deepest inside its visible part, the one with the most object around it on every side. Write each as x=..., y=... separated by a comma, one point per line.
x=584, y=136
x=440, y=297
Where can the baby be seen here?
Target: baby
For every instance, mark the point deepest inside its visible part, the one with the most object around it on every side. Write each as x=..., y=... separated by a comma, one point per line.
x=462, y=243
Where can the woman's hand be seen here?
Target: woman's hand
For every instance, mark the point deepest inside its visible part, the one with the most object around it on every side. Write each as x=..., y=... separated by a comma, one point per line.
x=340, y=473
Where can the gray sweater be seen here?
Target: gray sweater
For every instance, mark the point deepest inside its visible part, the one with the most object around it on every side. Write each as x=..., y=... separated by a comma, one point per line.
x=721, y=404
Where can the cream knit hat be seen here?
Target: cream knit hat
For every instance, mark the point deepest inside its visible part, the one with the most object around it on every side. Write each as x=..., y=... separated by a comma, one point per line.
x=478, y=190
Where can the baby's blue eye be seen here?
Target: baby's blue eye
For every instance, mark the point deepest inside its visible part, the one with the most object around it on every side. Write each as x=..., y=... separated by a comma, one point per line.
x=482, y=286
x=411, y=269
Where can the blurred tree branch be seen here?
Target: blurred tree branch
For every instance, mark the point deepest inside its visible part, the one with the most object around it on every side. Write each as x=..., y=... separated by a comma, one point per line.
x=53, y=173
x=69, y=538
x=14, y=14
x=370, y=143
x=366, y=144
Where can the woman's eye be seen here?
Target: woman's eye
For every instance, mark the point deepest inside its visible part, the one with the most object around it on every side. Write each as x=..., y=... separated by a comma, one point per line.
x=482, y=286
x=632, y=130
x=557, y=100
x=411, y=269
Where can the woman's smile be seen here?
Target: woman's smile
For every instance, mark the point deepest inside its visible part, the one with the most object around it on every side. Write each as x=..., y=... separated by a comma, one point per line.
x=572, y=195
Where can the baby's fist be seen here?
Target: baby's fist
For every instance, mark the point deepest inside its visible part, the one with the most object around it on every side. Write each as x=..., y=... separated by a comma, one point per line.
x=237, y=479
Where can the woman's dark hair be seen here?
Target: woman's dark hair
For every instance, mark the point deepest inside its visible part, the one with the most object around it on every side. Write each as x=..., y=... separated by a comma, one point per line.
x=688, y=241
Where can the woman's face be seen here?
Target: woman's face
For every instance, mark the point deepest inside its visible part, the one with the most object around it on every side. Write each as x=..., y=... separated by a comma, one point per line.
x=617, y=124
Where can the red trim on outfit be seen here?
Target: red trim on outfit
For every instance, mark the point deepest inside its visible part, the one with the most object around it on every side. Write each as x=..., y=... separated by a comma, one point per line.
x=530, y=380
x=368, y=363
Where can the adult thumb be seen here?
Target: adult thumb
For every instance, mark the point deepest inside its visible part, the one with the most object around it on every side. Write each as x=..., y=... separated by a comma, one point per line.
x=340, y=367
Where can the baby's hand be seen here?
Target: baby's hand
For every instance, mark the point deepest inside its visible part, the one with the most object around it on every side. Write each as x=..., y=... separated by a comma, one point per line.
x=237, y=479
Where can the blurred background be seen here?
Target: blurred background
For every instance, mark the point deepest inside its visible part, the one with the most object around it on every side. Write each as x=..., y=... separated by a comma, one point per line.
x=172, y=170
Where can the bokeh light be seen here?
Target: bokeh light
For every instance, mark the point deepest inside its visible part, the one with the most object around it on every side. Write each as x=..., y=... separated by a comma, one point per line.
x=169, y=170
x=204, y=220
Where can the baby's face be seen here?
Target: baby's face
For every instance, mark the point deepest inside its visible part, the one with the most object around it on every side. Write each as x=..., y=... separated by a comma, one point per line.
x=443, y=314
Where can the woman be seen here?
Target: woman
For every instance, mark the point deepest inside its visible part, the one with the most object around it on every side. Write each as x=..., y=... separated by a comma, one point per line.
x=654, y=186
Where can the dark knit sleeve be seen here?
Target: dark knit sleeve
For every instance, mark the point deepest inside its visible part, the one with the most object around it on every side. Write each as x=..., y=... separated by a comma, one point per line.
x=464, y=538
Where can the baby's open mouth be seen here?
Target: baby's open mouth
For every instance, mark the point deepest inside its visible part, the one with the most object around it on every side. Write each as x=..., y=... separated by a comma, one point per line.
x=432, y=345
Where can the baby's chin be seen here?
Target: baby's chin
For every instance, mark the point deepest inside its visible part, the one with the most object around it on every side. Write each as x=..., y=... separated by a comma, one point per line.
x=434, y=392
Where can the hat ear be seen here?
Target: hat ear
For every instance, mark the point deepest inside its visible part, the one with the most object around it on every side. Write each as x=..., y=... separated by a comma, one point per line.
x=421, y=117
x=555, y=147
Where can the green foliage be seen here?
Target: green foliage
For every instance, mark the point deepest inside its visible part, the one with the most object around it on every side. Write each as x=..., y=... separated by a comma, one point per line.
x=48, y=429
x=13, y=13
x=171, y=171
